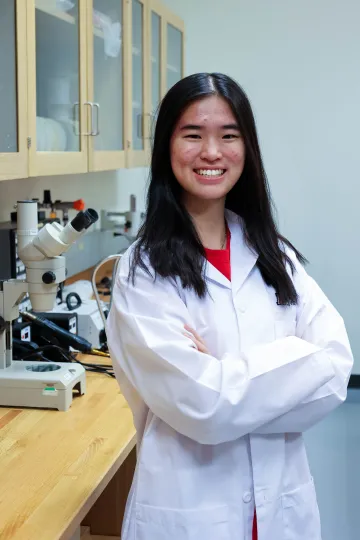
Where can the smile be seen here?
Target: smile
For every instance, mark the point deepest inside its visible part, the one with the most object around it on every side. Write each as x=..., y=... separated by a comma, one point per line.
x=210, y=173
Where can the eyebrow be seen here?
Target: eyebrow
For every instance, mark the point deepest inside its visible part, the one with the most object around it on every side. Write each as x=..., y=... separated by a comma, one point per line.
x=196, y=127
x=189, y=126
x=231, y=126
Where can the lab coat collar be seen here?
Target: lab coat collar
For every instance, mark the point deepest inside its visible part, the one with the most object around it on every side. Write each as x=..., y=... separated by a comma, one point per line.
x=243, y=259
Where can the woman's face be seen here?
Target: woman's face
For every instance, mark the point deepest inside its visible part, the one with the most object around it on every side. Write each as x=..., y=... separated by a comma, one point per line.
x=207, y=150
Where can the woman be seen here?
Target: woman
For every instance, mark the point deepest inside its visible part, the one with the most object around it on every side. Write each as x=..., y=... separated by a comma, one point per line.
x=224, y=347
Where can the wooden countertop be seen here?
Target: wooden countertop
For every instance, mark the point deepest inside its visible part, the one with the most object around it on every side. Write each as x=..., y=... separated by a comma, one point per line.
x=54, y=465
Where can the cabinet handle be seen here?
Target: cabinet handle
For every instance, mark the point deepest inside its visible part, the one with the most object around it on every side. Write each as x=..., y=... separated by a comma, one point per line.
x=96, y=131
x=76, y=118
x=140, y=126
x=91, y=105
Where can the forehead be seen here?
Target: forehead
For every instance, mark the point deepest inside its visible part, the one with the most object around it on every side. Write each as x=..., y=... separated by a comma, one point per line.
x=212, y=109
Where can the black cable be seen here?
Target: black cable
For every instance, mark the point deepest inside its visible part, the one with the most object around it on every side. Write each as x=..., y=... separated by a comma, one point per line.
x=68, y=301
x=68, y=357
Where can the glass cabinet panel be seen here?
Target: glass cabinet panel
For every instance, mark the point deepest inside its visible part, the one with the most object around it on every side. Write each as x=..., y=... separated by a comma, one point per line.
x=108, y=105
x=8, y=80
x=155, y=61
x=137, y=75
x=174, y=56
x=57, y=76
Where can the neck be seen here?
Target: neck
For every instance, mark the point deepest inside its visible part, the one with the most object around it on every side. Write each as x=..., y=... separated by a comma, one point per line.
x=209, y=220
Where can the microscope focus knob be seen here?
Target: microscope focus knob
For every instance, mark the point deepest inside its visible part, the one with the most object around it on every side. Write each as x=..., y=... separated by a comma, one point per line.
x=49, y=277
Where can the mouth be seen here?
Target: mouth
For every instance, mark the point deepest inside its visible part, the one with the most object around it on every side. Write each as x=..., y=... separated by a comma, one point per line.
x=210, y=175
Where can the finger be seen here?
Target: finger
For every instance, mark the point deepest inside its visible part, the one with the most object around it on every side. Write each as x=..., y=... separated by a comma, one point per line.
x=191, y=336
x=194, y=332
x=198, y=344
x=202, y=348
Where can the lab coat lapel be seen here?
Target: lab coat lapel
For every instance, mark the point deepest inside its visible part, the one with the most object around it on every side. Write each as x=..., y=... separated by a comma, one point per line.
x=243, y=258
x=212, y=274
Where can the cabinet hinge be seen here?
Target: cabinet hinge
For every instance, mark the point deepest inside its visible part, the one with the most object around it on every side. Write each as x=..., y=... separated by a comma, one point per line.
x=29, y=142
x=128, y=144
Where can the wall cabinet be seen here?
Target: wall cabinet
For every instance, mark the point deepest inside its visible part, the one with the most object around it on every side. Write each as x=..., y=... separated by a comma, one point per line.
x=84, y=78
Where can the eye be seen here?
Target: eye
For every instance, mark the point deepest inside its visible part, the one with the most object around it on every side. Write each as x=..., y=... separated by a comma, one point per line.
x=230, y=136
x=192, y=136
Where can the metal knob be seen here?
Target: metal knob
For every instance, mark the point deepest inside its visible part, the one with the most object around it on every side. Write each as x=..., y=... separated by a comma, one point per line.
x=49, y=278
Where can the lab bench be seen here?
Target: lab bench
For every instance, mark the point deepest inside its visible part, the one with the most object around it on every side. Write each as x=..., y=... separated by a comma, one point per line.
x=66, y=475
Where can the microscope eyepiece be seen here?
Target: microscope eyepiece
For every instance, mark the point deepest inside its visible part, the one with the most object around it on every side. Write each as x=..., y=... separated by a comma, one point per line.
x=92, y=216
x=84, y=219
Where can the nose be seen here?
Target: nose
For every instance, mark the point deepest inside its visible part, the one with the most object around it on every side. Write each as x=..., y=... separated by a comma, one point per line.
x=210, y=150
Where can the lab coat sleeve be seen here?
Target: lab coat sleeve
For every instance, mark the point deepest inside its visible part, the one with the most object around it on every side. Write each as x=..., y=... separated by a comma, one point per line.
x=319, y=323
x=207, y=399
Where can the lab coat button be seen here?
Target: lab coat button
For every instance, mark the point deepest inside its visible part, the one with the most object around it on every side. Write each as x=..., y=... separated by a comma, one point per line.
x=247, y=497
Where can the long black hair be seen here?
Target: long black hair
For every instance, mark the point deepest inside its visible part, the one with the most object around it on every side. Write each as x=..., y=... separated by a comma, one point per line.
x=168, y=236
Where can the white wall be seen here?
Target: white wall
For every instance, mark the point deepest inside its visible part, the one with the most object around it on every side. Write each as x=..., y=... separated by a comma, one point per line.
x=299, y=64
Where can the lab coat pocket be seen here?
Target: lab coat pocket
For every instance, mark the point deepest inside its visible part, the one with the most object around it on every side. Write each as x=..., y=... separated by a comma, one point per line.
x=301, y=514
x=178, y=524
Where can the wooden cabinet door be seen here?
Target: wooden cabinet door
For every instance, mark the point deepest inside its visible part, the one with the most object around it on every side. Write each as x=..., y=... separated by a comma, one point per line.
x=136, y=83
x=13, y=104
x=60, y=115
x=106, y=36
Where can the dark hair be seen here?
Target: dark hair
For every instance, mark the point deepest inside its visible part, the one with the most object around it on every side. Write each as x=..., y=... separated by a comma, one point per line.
x=168, y=236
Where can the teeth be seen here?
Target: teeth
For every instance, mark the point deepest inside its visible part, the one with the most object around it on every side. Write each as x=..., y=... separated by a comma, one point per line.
x=210, y=172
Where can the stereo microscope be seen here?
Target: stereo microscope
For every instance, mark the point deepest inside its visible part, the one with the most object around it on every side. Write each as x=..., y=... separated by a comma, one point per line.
x=35, y=383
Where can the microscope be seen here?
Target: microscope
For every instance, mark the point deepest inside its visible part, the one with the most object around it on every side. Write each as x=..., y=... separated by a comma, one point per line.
x=34, y=383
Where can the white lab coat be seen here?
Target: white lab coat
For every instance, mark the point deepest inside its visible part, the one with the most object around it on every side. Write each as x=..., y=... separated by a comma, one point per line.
x=221, y=433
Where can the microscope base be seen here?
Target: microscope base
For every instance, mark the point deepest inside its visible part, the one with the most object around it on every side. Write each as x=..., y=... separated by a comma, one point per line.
x=41, y=384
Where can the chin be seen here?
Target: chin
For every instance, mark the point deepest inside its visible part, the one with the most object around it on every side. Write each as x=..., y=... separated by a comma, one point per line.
x=210, y=194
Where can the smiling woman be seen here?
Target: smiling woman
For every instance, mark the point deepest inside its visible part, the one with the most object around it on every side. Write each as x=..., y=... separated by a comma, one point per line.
x=224, y=347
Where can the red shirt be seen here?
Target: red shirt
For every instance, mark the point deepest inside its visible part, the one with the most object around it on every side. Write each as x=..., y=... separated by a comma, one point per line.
x=220, y=258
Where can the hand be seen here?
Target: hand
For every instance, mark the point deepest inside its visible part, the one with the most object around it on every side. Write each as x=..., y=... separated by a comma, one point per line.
x=198, y=341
